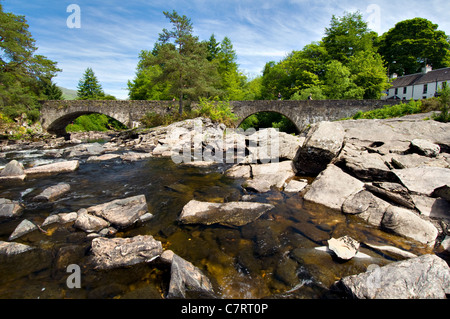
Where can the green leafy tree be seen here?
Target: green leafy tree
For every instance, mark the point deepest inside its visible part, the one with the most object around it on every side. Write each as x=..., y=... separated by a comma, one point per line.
x=348, y=35
x=213, y=48
x=89, y=88
x=183, y=61
x=369, y=73
x=338, y=82
x=23, y=74
x=412, y=44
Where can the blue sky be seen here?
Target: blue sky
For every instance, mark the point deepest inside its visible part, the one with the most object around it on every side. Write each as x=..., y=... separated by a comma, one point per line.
x=113, y=32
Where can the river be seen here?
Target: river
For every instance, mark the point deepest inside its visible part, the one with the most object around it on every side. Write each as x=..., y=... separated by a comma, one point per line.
x=277, y=256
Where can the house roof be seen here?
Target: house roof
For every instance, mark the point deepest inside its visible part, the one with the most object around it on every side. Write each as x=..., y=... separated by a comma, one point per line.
x=439, y=75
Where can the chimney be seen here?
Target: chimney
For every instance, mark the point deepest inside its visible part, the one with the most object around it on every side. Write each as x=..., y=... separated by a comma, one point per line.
x=427, y=69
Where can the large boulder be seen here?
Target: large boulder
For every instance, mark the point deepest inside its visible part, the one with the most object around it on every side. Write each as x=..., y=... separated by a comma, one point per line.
x=187, y=281
x=121, y=212
x=406, y=223
x=425, y=147
x=332, y=187
x=323, y=143
x=424, y=277
x=109, y=253
x=366, y=206
x=423, y=180
x=227, y=214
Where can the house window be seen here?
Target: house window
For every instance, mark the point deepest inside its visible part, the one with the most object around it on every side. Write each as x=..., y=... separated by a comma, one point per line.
x=425, y=88
x=396, y=91
x=405, y=90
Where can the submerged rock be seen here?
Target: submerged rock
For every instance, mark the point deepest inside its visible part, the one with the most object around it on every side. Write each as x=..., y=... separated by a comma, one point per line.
x=227, y=214
x=9, y=208
x=424, y=277
x=187, y=281
x=53, y=192
x=109, y=253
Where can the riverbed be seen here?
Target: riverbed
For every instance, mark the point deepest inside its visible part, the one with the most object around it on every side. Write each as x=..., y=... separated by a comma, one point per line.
x=280, y=255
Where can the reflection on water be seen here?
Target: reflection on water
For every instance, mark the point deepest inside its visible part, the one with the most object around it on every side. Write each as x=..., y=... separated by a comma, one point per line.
x=275, y=256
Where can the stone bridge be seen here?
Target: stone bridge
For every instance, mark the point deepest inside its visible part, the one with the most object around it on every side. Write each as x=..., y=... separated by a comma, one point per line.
x=56, y=115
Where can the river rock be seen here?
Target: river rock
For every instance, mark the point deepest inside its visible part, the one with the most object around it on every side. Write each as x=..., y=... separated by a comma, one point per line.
x=8, y=249
x=366, y=206
x=54, y=168
x=134, y=156
x=84, y=150
x=332, y=187
x=423, y=180
x=345, y=247
x=9, y=208
x=53, y=192
x=323, y=143
x=100, y=158
x=266, y=176
x=425, y=147
x=295, y=186
x=109, y=253
x=392, y=192
x=424, y=277
x=401, y=161
x=121, y=212
x=61, y=218
x=406, y=223
x=187, y=281
x=432, y=207
x=13, y=171
x=23, y=228
x=227, y=214
x=443, y=192
x=89, y=223
x=239, y=171
x=364, y=165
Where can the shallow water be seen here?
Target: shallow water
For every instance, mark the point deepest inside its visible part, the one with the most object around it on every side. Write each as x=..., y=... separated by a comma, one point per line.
x=275, y=256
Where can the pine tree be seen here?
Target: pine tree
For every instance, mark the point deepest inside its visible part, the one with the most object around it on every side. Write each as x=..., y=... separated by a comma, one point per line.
x=89, y=87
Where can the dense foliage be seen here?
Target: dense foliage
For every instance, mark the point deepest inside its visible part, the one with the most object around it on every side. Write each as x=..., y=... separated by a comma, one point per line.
x=25, y=77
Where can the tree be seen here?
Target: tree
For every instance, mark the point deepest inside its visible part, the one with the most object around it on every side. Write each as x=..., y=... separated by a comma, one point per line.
x=183, y=61
x=348, y=35
x=412, y=44
x=89, y=87
x=213, y=48
x=23, y=74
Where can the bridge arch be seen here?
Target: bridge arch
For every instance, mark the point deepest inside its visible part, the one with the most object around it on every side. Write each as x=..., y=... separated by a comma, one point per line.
x=241, y=120
x=58, y=126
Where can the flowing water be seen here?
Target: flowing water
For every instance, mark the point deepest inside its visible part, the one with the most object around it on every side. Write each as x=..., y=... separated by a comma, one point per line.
x=277, y=256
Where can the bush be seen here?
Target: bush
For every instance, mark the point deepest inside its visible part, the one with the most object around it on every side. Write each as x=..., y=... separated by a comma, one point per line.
x=216, y=110
x=444, y=102
x=412, y=107
x=94, y=122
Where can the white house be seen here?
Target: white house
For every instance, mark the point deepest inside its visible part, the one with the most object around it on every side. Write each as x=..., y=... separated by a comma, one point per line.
x=419, y=86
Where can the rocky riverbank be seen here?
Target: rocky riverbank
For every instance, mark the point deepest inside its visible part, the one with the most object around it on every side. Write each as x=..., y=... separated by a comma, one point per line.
x=392, y=175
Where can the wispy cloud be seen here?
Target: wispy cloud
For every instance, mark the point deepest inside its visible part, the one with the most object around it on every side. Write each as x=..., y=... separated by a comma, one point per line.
x=114, y=32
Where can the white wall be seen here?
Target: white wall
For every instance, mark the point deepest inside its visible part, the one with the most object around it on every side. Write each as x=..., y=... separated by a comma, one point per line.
x=416, y=91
